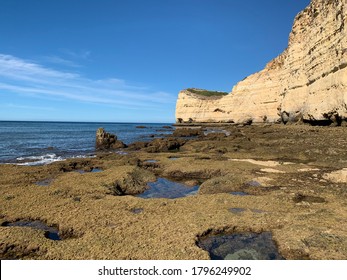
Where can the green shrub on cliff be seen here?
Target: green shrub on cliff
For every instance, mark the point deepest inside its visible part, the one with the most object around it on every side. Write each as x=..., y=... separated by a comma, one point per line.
x=206, y=92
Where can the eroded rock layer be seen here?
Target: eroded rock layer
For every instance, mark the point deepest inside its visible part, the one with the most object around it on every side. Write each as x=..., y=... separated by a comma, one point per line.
x=307, y=82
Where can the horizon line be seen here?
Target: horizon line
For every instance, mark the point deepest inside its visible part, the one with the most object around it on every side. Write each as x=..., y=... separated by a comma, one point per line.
x=114, y=122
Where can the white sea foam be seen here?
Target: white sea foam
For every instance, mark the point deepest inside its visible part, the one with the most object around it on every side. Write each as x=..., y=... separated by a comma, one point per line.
x=46, y=159
x=39, y=160
x=84, y=156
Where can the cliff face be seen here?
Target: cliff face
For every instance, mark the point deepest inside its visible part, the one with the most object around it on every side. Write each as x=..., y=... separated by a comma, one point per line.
x=308, y=81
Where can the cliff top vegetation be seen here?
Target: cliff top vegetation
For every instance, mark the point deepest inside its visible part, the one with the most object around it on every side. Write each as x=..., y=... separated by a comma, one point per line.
x=207, y=92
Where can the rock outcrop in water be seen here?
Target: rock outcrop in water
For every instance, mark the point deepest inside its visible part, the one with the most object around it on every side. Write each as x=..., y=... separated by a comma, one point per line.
x=307, y=82
x=106, y=141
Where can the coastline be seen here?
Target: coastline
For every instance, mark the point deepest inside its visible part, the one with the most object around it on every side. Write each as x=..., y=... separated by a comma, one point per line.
x=38, y=143
x=294, y=181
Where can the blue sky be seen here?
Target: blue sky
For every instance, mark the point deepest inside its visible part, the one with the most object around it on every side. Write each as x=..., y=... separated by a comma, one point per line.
x=125, y=61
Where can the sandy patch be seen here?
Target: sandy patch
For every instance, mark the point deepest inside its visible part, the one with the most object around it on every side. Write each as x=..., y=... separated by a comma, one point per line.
x=339, y=176
x=268, y=163
x=308, y=169
x=271, y=170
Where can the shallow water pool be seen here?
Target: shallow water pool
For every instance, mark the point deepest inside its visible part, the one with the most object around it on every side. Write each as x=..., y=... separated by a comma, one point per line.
x=241, y=246
x=164, y=188
x=50, y=232
x=239, y=193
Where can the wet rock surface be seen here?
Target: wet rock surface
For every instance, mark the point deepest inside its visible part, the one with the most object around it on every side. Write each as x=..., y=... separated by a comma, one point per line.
x=165, y=145
x=159, y=145
x=134, y=182
x=187, y=132
x=224, y=184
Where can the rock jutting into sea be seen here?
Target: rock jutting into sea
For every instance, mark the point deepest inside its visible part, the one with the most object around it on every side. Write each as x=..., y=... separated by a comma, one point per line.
x=106, y=141
x=306, y=83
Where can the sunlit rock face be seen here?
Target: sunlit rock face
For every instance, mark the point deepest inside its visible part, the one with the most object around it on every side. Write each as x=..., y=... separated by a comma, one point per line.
x=307, y=82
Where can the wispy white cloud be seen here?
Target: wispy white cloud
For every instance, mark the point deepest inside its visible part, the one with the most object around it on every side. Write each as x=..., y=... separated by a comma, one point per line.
x=29, y=78
x=82, y=54
x=20, y=106
x=60, y=61
x=21, y=70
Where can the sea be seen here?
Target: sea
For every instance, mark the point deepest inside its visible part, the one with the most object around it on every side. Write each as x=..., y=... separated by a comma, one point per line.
x=39, y=143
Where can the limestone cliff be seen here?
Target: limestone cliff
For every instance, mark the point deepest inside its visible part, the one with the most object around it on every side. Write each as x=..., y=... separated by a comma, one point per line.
x=308, y=81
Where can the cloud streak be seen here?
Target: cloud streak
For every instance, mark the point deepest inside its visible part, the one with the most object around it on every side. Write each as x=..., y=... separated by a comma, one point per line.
x=29, y=78
x=60, y=61
x=82, y=54
x=35, y=108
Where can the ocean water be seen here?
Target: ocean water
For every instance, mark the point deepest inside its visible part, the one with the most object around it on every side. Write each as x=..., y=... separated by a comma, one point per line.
x=35, y=143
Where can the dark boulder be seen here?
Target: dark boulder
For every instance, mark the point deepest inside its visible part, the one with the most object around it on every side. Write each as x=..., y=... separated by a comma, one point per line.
x=187, y=132
x=158, y=145
x=135, y=182
x=215, y=136
x=164, y=145
x=137, y=146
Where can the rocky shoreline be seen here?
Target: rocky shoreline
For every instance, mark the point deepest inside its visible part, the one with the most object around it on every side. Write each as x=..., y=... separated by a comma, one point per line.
x=289, y=181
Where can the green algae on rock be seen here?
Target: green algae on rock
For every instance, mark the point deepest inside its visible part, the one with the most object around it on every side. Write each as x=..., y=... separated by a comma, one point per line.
x=301, y=207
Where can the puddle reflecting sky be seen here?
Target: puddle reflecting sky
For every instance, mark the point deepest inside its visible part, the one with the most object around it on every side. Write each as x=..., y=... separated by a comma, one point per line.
x=44, y=183
x=164, y=188
x=239, y=193
x=50, y=232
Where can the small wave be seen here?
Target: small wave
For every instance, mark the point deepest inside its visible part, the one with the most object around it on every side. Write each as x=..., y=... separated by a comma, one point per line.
x=84, y=156
x=38, y=160
x=46, y=159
